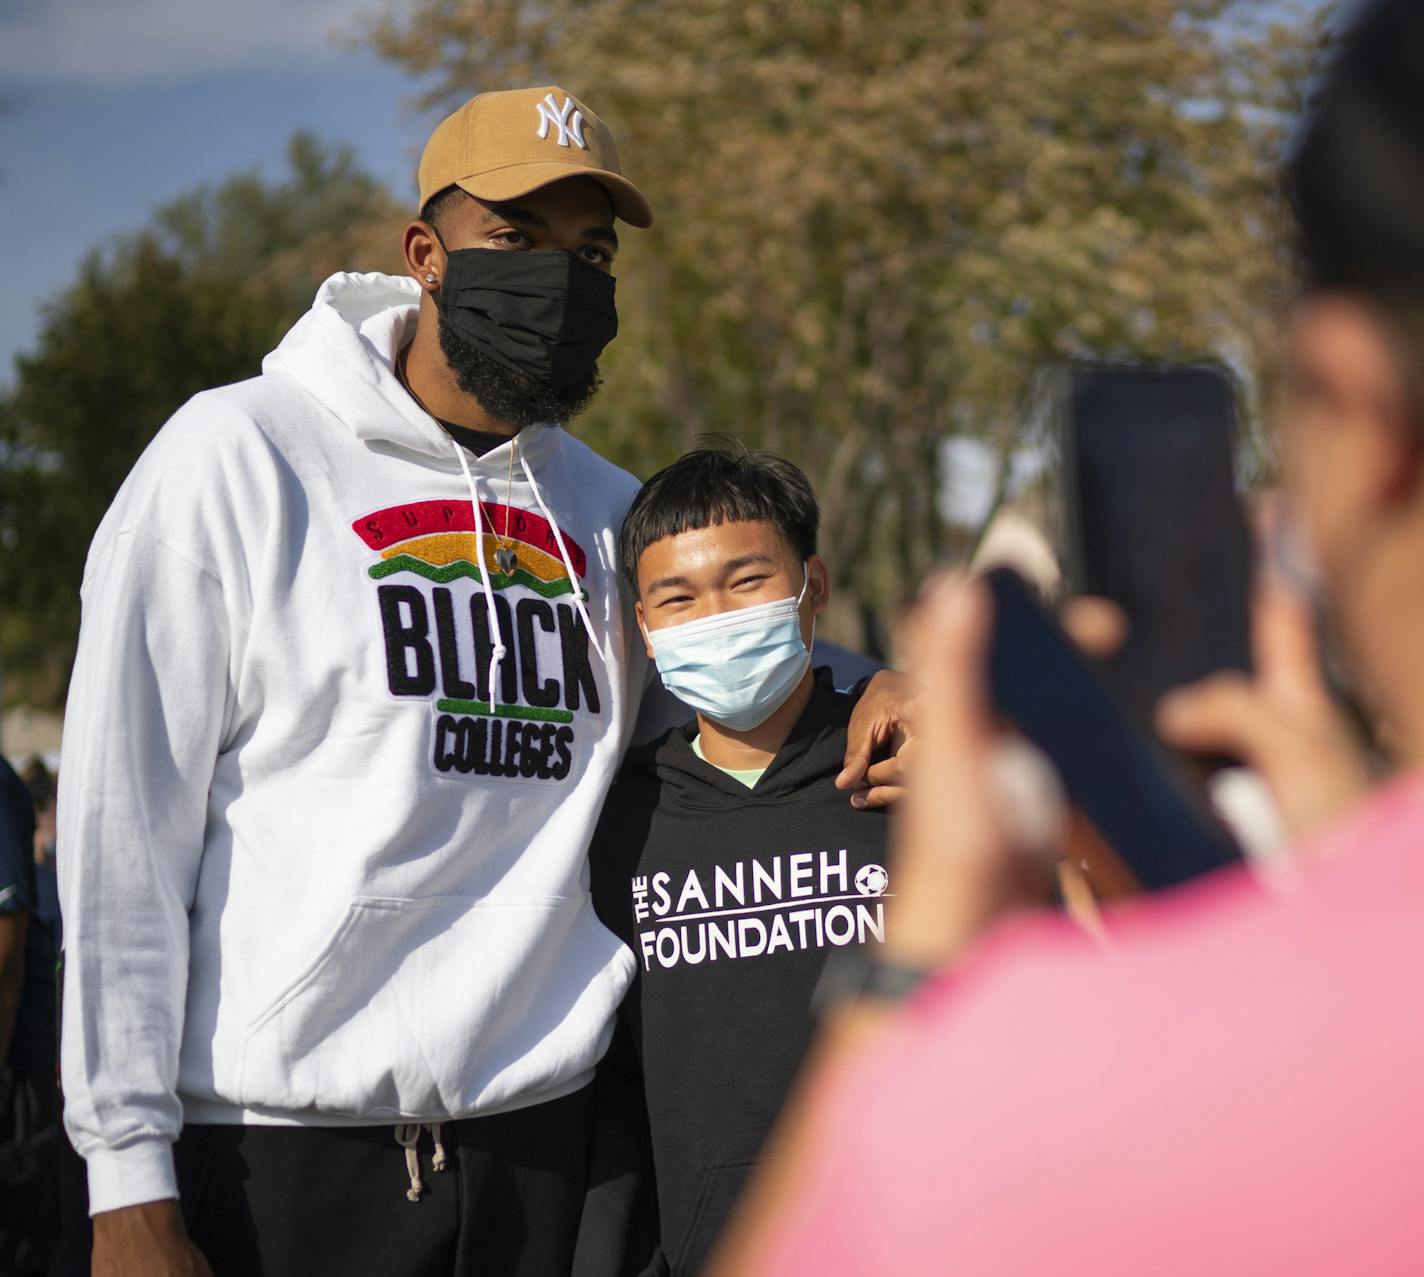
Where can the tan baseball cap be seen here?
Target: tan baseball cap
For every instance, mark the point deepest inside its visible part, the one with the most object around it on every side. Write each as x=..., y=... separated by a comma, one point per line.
x=499, y=146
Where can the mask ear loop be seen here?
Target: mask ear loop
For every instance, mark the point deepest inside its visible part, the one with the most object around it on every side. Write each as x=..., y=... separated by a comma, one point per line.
x=806, y=585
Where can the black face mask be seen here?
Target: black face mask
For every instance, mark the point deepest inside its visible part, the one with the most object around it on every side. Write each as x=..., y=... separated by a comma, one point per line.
x=545, y=314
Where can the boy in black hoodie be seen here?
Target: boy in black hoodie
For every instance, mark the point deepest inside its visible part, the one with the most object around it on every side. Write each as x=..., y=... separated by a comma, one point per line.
x=725, y=858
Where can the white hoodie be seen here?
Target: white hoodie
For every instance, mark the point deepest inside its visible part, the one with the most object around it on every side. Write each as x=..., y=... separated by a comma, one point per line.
x=309, y=872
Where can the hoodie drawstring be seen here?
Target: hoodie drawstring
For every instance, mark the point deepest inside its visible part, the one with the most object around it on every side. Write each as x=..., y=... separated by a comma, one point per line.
x=564, y=555
x=496, y=635
x=408, y=1137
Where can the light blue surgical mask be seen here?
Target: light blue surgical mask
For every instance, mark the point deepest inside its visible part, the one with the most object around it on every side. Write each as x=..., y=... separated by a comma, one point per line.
x=736, y=668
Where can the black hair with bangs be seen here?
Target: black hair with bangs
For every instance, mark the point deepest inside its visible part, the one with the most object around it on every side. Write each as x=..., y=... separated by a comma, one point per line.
x=715, y=485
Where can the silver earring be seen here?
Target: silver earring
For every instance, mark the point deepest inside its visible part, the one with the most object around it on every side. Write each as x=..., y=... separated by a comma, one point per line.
x=430, y=279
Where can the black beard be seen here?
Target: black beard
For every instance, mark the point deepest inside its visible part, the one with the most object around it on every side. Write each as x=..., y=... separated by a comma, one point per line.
x=508, y=396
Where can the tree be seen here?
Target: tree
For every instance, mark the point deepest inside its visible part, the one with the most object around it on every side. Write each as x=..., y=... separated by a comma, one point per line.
x=877, y=217
x=192, y=301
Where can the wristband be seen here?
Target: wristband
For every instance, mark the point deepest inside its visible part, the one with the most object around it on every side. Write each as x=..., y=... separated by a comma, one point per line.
x=852, y=974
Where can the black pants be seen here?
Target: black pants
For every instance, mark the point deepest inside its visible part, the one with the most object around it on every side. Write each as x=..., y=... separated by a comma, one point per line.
x=267, y=1201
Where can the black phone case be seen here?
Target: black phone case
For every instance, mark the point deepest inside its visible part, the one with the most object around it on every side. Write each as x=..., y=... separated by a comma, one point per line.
x=1183, y=625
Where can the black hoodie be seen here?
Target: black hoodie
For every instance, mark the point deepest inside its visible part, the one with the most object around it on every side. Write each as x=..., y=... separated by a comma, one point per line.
x=730, y=898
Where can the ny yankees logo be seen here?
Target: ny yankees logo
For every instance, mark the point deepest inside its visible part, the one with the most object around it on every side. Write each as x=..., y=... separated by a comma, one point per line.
x=569, y=126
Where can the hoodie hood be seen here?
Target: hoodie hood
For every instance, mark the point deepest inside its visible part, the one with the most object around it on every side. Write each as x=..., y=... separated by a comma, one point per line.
x=813, y=751
x=343, y=353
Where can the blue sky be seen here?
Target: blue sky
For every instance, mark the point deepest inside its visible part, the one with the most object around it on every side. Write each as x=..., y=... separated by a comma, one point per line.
x=115, y=106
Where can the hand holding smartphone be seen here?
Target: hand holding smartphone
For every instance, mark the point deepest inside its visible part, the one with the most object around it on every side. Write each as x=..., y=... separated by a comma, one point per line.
x=1113, y=771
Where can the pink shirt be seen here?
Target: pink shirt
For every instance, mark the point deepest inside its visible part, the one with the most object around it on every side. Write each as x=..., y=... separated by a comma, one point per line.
x=1236, y=1087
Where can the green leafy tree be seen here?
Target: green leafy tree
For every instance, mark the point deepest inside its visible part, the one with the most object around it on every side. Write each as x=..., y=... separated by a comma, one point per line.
x=192, y=301
x=878, y=217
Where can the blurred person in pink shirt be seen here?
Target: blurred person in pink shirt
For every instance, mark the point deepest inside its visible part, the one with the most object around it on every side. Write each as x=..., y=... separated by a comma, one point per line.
x=1232, y=1084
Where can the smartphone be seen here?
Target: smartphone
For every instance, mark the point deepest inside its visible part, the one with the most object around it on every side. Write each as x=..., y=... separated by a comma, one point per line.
x=1112, y=769
x=1153, y=520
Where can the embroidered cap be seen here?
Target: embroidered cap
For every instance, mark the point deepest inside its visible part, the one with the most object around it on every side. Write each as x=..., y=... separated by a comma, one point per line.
x=499, y=146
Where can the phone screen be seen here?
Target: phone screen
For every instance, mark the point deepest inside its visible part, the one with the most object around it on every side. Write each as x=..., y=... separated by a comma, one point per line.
x=1155, y=523
x=1112, y=770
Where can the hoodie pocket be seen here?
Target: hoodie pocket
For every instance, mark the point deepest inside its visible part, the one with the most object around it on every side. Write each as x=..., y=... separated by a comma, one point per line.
x=722, y=1184
x=439, y=1006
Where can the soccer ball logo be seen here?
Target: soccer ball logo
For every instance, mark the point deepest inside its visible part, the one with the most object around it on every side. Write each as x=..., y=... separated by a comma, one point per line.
x=872, y=880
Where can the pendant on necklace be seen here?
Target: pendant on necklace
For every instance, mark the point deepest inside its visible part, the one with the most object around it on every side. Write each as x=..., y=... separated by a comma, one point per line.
x=506, y=560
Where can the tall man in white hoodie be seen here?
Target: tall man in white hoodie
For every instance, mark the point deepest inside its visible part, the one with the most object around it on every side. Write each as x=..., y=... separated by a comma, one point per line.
x=354, y=676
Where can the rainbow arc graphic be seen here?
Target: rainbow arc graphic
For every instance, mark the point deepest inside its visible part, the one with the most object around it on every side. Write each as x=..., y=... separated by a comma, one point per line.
x=436, y=540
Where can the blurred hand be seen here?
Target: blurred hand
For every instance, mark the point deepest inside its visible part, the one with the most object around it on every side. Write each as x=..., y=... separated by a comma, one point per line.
x=1280, y=721
x=145, y=1241
x=881, y=717
x=950, y=861
x=1080, y=902
x=1098, y=626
